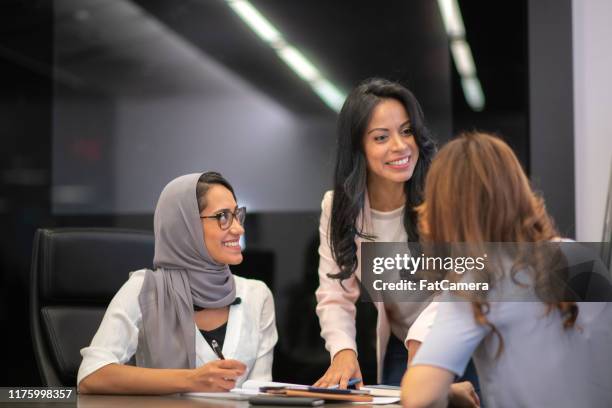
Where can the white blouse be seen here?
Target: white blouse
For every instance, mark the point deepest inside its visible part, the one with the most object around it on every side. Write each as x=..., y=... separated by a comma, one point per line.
x=250, y=334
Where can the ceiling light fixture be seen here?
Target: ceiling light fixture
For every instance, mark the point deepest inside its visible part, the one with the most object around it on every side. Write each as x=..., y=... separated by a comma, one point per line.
x=258, y=23
x=462, y=54
x=298, y=63
x=293, y=57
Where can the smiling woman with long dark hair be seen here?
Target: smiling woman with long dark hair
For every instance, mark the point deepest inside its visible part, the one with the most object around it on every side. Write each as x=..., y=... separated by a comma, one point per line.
x=384, y=151
x=365, y=162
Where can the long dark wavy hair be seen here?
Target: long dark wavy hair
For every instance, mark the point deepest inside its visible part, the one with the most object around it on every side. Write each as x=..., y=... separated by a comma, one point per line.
x=351, y=172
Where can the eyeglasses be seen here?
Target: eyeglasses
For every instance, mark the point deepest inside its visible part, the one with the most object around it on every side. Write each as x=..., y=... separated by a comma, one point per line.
x=225, y=218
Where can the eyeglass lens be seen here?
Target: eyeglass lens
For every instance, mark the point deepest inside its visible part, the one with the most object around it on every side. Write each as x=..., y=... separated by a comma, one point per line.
x=227, y=218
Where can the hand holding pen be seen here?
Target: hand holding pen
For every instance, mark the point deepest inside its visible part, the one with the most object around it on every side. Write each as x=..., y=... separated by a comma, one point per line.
x=217, y=349
x=217, y=375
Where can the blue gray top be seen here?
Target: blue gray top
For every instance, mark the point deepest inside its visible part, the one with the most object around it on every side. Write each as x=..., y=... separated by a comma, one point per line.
x=542, y=364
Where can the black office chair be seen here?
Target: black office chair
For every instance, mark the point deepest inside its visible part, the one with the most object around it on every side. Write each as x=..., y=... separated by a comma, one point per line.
x=75, y=273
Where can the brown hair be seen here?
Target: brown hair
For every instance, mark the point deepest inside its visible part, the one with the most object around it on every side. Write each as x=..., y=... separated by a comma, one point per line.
x=476, y=192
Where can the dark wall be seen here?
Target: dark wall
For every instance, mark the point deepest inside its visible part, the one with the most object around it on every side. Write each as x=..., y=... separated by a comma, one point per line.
x=524, y=62
x=500, y=50
x=25, y=135
x=551, y=103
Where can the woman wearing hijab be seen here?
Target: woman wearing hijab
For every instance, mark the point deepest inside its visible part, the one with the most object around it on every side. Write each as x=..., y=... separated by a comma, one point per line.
x=183, y=318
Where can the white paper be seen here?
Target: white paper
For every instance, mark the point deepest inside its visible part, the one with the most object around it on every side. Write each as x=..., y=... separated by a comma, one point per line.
x=383, y=392
x=249, y=388
x=379, y=401
x=256, y=385
x=219, y=395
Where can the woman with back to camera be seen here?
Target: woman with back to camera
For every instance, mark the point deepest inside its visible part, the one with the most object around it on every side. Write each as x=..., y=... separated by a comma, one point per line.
x=383, y=153
x=547, y=353
x=181, y=318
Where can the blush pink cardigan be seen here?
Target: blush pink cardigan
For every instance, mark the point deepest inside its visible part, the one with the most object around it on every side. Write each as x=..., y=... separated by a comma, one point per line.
x=336, y=306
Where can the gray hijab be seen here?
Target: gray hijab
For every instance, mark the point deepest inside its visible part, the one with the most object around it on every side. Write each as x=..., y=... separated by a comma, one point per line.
x=184, y=275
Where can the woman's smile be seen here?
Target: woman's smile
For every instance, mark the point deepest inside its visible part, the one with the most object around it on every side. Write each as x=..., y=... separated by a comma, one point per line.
x=389, y=144
x=399, y=164
x=232, y=245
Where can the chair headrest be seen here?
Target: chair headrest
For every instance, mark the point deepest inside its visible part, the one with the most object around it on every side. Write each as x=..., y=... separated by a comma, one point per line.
x=89, y=264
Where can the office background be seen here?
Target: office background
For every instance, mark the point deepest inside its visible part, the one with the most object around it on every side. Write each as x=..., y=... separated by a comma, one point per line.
x=103, y=102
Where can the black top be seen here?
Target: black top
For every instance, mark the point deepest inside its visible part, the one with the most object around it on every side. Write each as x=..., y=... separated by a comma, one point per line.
x=217, y=334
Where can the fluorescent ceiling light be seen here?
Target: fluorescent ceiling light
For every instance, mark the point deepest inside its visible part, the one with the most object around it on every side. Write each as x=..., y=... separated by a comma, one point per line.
x=253, y=18
x=462, y=54
x=298, y=63
x=293, y=57
x=329, y=94
x=473, y=93
x=451, y=14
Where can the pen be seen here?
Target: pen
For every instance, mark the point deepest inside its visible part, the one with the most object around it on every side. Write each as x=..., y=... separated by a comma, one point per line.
x=217, y=349
x=351, y=382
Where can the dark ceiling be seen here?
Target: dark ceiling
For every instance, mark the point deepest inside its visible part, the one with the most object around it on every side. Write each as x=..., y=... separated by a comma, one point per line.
x=347, y=40
x=352, y=40
x=497, y=34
